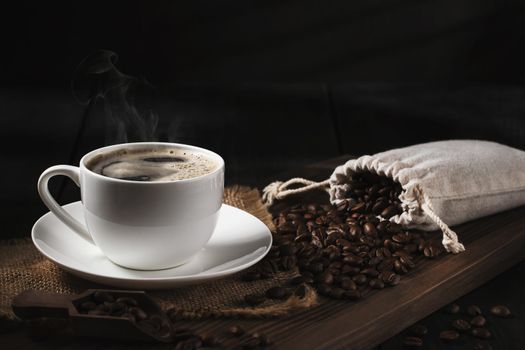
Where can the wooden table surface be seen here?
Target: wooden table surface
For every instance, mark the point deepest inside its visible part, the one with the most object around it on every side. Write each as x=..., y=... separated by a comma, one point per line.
x=334, y=324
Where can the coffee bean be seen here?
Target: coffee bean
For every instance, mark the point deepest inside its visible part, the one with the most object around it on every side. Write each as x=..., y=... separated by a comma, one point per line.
x=129, y=316
x=354, y=231
x=288, y=263
x=360, y=279
x=478, y=321
x=324, y=289
x=418, y=330
x=304, y=237
x=481, y=333
x=138, y=313
x=500, y=311
x=461, y=325
x=453, y=309
x=400, y=238
x=376, y=283
x=300, y=291
x=264, y=340
x=128, y=301
x=325, y=278
x=287, y=249
x=100, y=297
x=474, y=310
x=389, y=211
x=400, y=268
x=149, y=326
x=370, y=229
x=379, y=206
x=353, y=260
x=350, y=270
x=87, y=305
x=412, y=342
x=308, y=277
x=338, y=293
x=370, y=272
x=358, y=208
x=103, y=307
x=250, y=343
x=267, y=268
x=407, y=262
x=254, y=299
x=277, y=293
x=212, y=341
x=482, y=345
x=192, y=343
x=316, y=268
x=297, y=280
x=179, y=334
x=394, y=228
x=348, y=284
x=449, y=335
x=236, y=330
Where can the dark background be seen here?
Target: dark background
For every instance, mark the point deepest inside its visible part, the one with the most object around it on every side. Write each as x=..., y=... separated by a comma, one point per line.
x=270, y=85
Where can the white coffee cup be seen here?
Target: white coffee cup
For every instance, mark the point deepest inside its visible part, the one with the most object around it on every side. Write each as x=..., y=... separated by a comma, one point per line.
x=142, y=225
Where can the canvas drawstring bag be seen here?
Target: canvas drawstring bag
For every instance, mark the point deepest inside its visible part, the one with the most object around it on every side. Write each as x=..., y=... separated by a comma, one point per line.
x=444, y=183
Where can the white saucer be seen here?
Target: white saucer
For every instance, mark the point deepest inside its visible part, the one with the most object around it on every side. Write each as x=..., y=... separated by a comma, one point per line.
x=239, y=241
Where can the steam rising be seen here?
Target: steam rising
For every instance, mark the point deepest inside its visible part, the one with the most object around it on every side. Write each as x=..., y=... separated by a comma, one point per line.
x=98, y=79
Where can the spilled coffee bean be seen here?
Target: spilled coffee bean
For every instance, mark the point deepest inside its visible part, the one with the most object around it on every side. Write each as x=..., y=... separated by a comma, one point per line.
x=453, y=309
x=481, y=333
x=461, y=325
x=347, y=246
x=478, y=321
x=412, y=342
x=474, y=310
x=277, y=293
x=418, y=330
x=344, y=251
x=254, y=299
x=500, y=311
x=236, y=330
x=264, y=340
x=448, y=335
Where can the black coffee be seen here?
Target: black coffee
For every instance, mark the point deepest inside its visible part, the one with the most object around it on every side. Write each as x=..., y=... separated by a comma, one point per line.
x=159, y=164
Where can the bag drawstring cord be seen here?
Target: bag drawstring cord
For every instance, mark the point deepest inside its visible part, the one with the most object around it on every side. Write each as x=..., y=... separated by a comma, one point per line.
x=450, y=238
x=278, y=190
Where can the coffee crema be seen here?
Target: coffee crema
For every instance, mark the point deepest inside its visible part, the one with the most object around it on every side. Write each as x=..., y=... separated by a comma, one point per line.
x=155, y=164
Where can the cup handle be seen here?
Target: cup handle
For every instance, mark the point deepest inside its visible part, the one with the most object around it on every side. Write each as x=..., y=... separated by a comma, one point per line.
x=73, y=173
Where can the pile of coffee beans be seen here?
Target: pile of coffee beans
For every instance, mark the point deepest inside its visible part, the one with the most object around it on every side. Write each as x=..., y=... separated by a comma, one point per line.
x=102, y=303
x=469, y=323
x=348, y=249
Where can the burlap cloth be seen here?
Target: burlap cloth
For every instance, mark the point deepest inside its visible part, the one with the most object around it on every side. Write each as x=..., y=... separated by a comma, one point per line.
x=22, y=267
